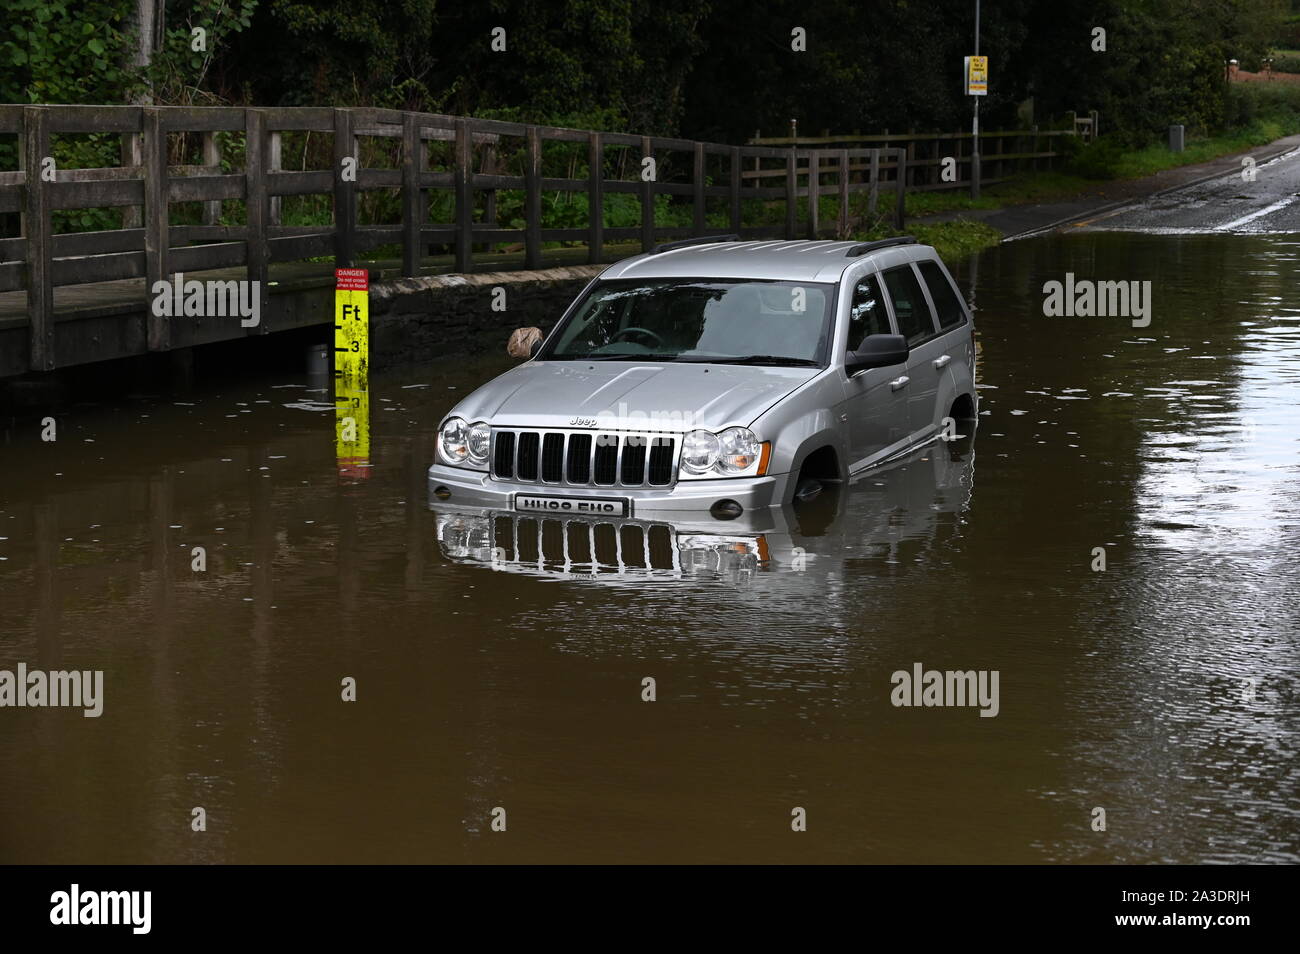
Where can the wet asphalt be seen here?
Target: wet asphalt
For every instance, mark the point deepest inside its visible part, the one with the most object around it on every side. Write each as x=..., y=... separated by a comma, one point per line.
x=1259, y=198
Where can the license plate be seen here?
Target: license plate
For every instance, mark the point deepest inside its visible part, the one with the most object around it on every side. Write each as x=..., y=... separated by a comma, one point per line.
x=588, y=506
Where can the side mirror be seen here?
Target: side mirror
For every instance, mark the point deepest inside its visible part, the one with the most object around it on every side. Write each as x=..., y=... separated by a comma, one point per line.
x=524, y=342
x=877, y=351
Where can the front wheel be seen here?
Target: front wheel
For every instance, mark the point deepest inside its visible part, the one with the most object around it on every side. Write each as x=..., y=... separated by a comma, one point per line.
x=809, y=489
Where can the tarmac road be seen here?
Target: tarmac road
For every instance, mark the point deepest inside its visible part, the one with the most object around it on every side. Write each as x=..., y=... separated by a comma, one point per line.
x=1200, y=197
x=1269, y=204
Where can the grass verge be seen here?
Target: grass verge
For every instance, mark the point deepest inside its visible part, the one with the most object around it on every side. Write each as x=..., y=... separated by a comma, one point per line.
x=953, y=240
x=1264, y=113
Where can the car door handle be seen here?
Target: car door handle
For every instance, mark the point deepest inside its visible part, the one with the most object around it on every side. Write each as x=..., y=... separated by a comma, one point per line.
x=941, y=361
x=899, y=383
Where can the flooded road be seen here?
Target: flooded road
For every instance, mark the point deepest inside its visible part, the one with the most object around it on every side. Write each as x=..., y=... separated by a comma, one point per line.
x=1257, y=199
x=499, y=663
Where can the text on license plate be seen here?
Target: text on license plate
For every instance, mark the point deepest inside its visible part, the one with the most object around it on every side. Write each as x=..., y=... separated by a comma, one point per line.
x=597, y=506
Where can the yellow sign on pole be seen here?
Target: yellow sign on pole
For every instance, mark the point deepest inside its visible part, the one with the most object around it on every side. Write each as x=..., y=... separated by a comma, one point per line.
x=351, y=322
x=351, y=372
x=977, y=75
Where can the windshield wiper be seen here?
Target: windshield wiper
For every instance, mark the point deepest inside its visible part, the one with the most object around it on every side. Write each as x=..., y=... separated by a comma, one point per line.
x=773, y=359
x=756, y=359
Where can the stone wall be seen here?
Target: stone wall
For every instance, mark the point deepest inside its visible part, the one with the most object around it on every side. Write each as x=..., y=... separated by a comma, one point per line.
x=420, y=319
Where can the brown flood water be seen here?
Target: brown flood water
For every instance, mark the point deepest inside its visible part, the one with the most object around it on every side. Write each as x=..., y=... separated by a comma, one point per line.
x=1163, y=689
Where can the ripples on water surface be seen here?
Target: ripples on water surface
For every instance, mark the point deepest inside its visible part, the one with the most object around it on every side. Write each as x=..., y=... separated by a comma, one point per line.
x=1173, y=447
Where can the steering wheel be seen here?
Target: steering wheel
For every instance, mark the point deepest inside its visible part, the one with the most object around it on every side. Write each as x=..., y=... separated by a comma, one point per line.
x=655, y=340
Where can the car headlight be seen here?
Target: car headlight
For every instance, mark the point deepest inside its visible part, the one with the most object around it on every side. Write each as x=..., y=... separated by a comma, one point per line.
x=480, y=435
x=740, y=450
x=735, y=452
x=454, y=440
x=700, y=451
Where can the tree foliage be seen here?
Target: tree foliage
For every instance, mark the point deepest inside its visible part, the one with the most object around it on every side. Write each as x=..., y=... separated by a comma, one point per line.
x=61, y=51
x=711, y=69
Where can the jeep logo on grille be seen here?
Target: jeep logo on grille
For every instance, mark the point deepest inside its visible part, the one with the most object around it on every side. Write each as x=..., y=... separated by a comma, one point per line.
x=583, y=422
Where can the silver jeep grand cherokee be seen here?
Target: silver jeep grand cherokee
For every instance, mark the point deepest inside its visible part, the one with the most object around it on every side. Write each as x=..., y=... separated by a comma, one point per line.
x=720, y=376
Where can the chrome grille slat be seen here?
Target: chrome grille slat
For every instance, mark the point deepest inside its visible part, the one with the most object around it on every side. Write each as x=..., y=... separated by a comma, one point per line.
x=660, y=463
x=603, y=464
x=577, y=462
x=551, y=467
x=556, y=457
x=528, y=464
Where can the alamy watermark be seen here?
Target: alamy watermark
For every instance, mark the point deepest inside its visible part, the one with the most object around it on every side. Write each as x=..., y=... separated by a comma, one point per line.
x=932, y=687
x=1086, y=298
x=75, y=906
x=37, y=689
x=655, y=421
x=213, y=299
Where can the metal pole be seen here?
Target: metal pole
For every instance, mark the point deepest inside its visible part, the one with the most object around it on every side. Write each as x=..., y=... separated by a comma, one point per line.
x=975, y=122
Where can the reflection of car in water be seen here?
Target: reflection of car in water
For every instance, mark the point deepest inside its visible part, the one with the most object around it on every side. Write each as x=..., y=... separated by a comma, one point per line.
x=875, y=515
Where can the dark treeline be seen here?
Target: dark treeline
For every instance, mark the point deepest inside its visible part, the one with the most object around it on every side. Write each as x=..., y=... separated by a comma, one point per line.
x=708, y=69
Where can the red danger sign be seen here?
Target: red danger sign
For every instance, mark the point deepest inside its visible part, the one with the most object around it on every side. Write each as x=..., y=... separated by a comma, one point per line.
x=352, y=279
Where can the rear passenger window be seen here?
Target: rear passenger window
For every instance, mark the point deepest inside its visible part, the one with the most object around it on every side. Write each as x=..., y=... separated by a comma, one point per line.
x=866, y=312
x=910, y=307
x=946, y=302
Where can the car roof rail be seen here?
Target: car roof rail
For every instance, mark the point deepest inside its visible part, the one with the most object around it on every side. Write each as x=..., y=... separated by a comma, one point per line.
x=862, y=248
x=699, y=240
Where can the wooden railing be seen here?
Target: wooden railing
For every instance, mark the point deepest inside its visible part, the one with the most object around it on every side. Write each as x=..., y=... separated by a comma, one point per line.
x=150, y=245
x=1003, y=153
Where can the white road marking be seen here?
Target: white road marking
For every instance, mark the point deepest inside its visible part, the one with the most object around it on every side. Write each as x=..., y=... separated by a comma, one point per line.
x=1258, y=213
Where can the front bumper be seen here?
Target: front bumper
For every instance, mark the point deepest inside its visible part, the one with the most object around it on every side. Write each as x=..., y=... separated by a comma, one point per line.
x=477, y=489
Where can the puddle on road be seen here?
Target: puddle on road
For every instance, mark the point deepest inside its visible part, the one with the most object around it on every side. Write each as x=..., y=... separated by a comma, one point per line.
x=1163, y=689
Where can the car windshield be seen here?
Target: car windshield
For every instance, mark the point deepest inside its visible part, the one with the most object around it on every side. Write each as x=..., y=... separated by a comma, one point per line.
x=699, y=320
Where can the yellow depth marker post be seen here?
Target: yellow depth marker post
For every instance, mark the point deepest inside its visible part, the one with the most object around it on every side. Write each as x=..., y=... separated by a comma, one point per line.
x=351, y=372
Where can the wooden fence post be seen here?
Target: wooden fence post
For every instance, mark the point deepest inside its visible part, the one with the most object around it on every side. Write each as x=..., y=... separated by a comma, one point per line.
x=464, y=197
x=791, y=193
x=412, y=206
x=814, y=192
x=902, y=188
x=533, y=201
x=698, y=182
x=488, y=167
x=132, y=155
x=258, y=253
x=595, y=197
x=735, y=189
x=647, y=198
x=345, y=206
x=40, y=283
x=212, y=163
x=873, y=197
x=157, y=240
x=274, y=145
x=842, y=231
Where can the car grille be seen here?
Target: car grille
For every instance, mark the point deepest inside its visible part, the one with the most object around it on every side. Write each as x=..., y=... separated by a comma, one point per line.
x=584, y=458
x=581, y=546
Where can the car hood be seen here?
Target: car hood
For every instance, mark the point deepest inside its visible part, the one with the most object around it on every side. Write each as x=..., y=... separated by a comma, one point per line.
x=625, y=395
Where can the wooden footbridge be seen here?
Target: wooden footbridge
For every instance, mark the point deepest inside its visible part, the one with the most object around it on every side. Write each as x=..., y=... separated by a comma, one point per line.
x=282, y=196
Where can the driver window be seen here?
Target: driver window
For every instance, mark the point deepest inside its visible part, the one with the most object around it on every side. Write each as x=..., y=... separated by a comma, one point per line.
x=866, y=311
